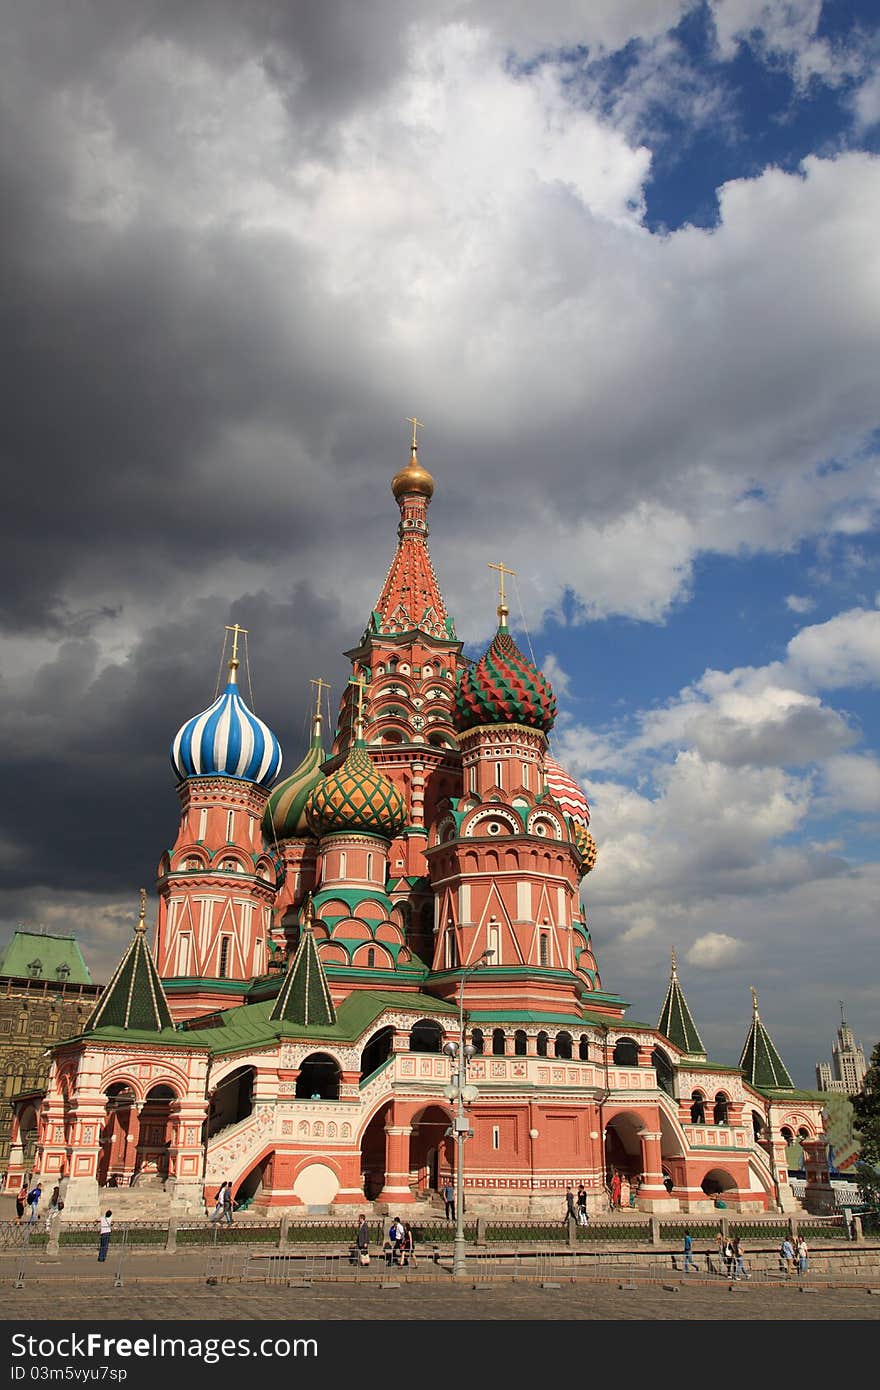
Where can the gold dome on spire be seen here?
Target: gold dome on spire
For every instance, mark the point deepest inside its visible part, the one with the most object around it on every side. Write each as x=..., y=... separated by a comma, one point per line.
x=413, y=478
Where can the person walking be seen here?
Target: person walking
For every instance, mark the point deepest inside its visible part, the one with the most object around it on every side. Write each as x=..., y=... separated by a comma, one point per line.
x=786, y=1256
x=34, y=1196
x=106, y=1231
x=449, y=1199
x=583, y=1219
x=570, y=1209
x=408, y=1246
x=228, y=1204
x=802, y=1254
x=624, y=1191
x=21, y=1199
x=362, y=1241
x=688, y=1254
x=739, y=1266
x=52, y=1214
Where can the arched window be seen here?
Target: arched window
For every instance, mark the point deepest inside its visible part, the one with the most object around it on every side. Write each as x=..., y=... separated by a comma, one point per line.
x=665, y=1074
x=377, y=1051
x=543, y=1040
x=371, y=957
x=370, y=867
x=626, y=1054
x=563, y=1045
x=478, y=1042
x=719, y=1114
x=520, y=1043
x=698, y=1108
x=425, y=1036
x=584, y=1048
x=498, y=1042
x=450, y=953
x=318, y=1078
x=757, y=1125
x=787, y=1134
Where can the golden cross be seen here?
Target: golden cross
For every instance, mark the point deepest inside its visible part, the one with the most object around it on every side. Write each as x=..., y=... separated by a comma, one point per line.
x=360, y=683
x=236, y=631
x=754, y=1000
x=673, y=963
x=321, y=685
x=503, y=570
x=141, y=926
x=411, y=420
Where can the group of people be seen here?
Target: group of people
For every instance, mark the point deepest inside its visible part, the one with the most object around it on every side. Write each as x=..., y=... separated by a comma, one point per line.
x=28, y=1200
x=731, y=1255
x=399, y=1246
x=224, y=1205
x=621, y=1191
x=576, y=1207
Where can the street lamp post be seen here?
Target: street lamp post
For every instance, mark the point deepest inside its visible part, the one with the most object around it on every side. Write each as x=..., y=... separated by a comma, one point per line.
x=460, y=1054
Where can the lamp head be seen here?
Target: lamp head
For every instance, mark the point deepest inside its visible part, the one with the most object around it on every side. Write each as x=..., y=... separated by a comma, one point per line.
x=451, y=1049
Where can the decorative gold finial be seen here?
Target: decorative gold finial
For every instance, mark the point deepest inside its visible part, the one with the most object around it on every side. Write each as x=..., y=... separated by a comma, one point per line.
x=142, y=919
x=316, y=717
x=237, y=632
x=754, y=1000
x=674, y=970
x=359, y=725
x=309, y=923
x=416, y=424
x=503, y=610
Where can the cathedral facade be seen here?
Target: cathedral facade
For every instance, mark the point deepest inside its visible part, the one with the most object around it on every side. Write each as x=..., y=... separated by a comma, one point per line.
x=324, y=940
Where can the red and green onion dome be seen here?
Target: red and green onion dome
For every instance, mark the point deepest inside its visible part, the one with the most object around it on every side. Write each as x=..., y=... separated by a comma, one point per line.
x=504, y=687
x=285, y=815
x=356, y=798
x=566, y=792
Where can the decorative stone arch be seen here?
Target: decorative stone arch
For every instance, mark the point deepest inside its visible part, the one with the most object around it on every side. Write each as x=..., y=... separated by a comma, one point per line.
x=716, y=1180
x=562, y=1046
x=584, y=1048
x=371, y=956
x=520, y=1043
x=319, y=1077
x=121, y=1075
x=431, y=1146
x=545, y=824
x=698, y=1107
x=480, y=824
x=499, y=1042
x=622, y=1142
x=426, y=1035
x=542, y=1043
x=721, y=1108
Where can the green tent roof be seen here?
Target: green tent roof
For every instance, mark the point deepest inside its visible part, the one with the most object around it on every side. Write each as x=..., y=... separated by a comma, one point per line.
x=676, y=1022
x=304, y=996
x=760, y=1061
x=134, y=998
x=38, y=956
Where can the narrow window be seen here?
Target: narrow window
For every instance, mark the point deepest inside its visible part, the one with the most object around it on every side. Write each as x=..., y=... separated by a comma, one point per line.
x=499, y=774
x=544, y=949
x=230, y=824
x=342, y=864
x=371, y=957
x=496, y=1136
x=473, y=778
x=370, y=868
x=525, y=776
x=224, y=956
x=183, y=953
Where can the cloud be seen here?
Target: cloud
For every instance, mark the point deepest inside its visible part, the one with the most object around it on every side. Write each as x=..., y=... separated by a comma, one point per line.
x=714, y=950
x=852, y=782
x=800, y=603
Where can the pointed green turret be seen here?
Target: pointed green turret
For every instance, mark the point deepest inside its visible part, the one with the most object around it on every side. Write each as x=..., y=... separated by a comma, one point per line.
x=134, y=997
x=304, y=997
x=760, y=1061
x=675, y=1018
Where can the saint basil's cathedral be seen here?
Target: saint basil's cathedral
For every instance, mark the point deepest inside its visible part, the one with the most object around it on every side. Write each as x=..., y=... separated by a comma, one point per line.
x=321, y=938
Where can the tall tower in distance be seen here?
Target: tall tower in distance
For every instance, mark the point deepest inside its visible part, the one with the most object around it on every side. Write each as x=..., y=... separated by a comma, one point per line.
x=846, y=1071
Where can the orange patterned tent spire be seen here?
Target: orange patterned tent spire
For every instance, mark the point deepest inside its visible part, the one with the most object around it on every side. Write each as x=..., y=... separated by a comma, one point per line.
x=410, y=599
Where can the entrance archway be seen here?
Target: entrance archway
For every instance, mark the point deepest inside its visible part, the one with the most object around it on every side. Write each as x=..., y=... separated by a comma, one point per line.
x=430, y=1148
x=373, y=1154
x=119, y=1135
x=623, y=1146
x=155, y=1135
x=318, y=1077
x=716, y=1181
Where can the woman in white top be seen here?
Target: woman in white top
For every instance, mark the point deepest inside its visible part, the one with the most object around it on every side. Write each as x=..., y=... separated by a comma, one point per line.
x=106, y=1229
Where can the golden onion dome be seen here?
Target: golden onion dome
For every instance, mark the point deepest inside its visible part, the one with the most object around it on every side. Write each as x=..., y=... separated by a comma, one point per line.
x=413, y=478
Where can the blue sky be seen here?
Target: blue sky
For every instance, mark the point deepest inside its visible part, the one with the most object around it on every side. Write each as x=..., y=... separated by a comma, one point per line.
x=621, y=257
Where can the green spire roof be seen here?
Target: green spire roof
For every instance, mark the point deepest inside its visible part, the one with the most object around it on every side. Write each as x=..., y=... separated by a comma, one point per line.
x=37, y=956
x=760, y=1061
x=304, y=997
x=675, y=1018
x=134, y=997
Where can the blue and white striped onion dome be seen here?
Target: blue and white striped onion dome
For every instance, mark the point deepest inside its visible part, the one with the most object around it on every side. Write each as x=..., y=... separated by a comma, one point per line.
x=227, y=740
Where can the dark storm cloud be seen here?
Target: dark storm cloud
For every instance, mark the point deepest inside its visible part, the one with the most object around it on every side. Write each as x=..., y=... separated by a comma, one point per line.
x=88, y=748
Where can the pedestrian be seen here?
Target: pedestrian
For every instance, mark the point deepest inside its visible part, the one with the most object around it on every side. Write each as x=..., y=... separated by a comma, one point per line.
x=688, y=1255
x=570, y=1209
x=362, y=1241
x=633, y=1191
x=408, y=1246
x=802, y=1254
x=624, y=1192
x=53, y=1200
x=33, y=1198
x=449, y=1199
x=615, y=1191
x=719, y=1247
x=583, y=1219
x=728, y=1257
x=106, y=1230
x=786, y=1256
x=217, y=1213
x=739, y=1267
x=52, y=1215
x=21, y=1199
x=228, y=1204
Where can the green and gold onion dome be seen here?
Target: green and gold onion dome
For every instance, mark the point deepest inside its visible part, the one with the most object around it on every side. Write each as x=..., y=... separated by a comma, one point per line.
x=504, y=687
x=356, y=798
x=285, y=815
x=586, y=848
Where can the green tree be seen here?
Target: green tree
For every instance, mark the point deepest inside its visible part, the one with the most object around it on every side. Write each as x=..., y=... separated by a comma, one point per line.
x=867, y=1109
